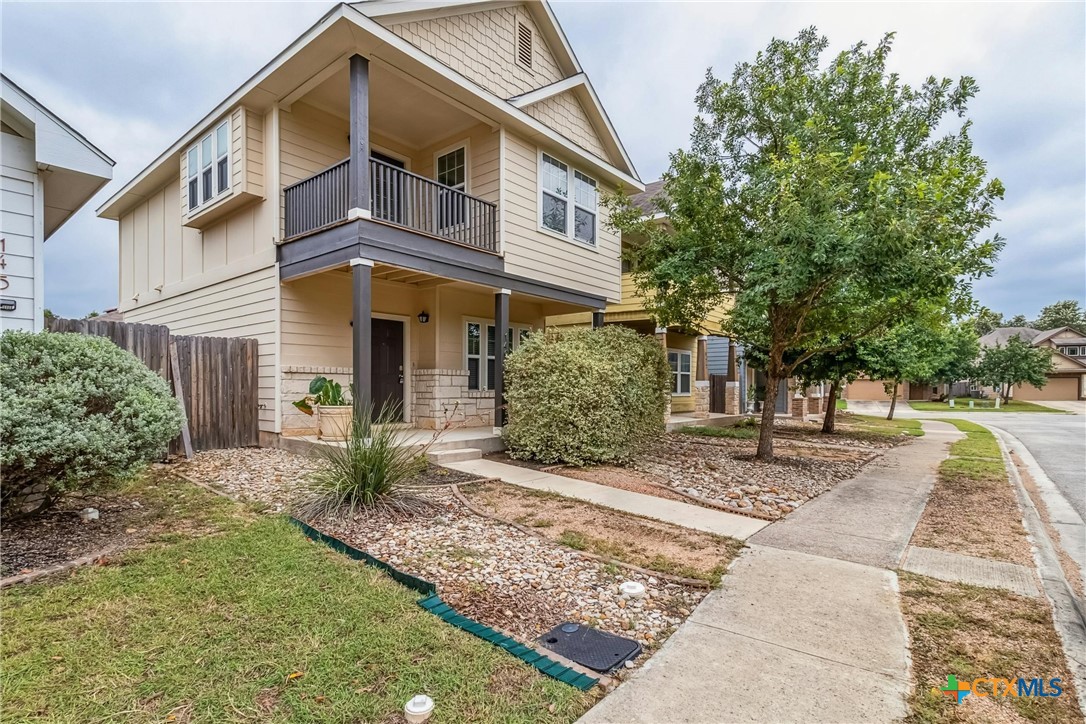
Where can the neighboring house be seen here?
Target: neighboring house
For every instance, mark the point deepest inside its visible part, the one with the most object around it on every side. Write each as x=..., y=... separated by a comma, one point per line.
x=403, y=187
x=1067, y=381
x=868, y=389
x=685, y=348
x=48, y=172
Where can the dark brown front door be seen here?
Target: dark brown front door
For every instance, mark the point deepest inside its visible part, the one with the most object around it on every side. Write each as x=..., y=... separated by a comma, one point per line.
x=387, y=360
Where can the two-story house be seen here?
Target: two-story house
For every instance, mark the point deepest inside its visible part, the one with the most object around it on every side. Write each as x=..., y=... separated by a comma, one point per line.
x=402, y=188
x=1067, y=380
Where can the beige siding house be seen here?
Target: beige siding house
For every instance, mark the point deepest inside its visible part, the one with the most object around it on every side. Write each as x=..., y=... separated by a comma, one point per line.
x=1067, y=381
x=395, y=193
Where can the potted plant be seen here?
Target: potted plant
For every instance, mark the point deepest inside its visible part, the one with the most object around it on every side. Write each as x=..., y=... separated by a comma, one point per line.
x=333, y=409
x=759, y=398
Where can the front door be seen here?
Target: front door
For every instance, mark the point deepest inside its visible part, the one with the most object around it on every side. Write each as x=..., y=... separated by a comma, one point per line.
x=387, y=361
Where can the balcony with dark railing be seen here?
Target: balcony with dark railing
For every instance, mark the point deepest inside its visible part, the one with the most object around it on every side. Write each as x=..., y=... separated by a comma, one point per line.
x=397, y=197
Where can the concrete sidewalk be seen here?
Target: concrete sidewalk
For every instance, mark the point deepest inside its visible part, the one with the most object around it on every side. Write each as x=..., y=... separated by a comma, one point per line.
x=647, y=506
x=807, y=625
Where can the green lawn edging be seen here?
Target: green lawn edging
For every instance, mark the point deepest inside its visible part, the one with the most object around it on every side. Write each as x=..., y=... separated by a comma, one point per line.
x=433, y=603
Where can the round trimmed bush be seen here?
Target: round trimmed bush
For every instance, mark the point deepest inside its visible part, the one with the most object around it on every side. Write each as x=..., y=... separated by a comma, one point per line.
x=77, y=413
x=584, y=396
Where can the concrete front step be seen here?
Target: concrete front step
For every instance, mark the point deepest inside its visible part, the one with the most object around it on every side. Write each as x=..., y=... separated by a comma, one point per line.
x=455, y=455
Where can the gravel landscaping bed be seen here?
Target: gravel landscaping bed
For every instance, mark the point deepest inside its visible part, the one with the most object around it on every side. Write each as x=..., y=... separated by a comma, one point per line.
x=270, y=476
x=725, y=472
x=492, y=572
x=514, y=581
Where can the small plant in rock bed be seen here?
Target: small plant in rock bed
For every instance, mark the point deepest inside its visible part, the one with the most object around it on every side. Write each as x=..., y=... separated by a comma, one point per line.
x=373, y=469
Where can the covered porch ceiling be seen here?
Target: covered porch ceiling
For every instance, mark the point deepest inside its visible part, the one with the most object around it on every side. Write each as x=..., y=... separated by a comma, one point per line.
x=391, y=274
x=400, y=108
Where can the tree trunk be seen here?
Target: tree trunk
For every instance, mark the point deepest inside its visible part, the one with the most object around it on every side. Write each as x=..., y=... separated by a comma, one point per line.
x=1006, y=395
x=769, y=411
x=830, y=420
x=893, y=402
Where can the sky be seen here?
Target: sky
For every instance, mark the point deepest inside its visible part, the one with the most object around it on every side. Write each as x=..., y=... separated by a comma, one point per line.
x=133, y=77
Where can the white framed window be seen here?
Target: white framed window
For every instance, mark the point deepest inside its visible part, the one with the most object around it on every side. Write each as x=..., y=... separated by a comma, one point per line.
x=451, y=170
x=479, y=351
x=679, y=360
x=556, y=180
x=208, y=164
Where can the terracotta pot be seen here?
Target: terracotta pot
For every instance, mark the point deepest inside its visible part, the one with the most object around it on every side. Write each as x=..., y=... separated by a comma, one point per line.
x=334, y=421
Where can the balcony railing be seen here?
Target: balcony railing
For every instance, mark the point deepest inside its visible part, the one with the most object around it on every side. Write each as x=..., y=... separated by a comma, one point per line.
x=397, y=197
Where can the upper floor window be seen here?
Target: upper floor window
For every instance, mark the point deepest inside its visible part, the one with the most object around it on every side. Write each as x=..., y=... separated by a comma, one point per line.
x=554, y=197
x=452, y=171
x=209, y=166
x=1073, y=351
x=524, y=45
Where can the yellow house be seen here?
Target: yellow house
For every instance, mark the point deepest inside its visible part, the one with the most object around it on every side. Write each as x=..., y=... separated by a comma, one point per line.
x=687, y=349
x=393, y=195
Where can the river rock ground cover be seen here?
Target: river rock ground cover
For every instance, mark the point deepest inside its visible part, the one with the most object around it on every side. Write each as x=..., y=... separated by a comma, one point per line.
x=514, y=581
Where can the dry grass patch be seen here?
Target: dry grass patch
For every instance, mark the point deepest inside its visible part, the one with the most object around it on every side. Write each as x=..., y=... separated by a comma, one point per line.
x=582, y=526
x=973, y=509
x=980, y=632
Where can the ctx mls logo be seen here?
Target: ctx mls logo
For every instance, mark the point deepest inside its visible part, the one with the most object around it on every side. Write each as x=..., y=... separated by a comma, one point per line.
x=994, y=686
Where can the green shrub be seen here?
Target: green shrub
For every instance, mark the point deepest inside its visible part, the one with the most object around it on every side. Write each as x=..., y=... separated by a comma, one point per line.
x=77, y=413
x=372, y=469
x=584, y=396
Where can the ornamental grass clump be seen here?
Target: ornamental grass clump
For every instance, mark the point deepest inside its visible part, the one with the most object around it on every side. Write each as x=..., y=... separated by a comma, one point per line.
x=585, y=396
x=374, y=469
x=77, y=414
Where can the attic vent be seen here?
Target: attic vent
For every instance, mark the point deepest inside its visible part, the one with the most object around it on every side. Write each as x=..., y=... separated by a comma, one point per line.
x=524, y=45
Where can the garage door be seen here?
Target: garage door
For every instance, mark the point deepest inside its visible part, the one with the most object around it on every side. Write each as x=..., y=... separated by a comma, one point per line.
x=1058, y=388
x=870, y=390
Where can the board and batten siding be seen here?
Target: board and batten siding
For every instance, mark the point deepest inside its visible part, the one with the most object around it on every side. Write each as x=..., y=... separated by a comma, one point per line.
x=240, y=306
x=536, y=254
x=21, y=227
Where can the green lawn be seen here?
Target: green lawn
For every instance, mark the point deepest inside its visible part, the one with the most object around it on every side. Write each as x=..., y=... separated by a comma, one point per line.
x=842, y=404
x=884, y=427
x=251, y=623
x=962, y=405
x=978, y=442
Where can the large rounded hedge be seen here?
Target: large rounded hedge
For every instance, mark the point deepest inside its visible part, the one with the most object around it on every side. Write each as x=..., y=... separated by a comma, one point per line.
x=77, y=413
x=584, y=396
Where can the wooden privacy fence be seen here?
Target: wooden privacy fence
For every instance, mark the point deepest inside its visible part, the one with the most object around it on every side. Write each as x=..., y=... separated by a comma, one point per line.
x=215, y=378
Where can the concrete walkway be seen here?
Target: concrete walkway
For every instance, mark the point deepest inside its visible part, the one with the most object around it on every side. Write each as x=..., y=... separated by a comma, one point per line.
x=806, y=626
x=646, y=506
x=958, y=568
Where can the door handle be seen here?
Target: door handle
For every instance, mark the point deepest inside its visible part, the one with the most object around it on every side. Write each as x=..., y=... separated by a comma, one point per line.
x=401, y=379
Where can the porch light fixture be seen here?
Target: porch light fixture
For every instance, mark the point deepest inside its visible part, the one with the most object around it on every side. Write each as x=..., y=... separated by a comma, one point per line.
x=424, y=317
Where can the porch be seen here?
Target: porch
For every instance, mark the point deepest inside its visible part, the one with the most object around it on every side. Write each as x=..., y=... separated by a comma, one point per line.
x=428, y=344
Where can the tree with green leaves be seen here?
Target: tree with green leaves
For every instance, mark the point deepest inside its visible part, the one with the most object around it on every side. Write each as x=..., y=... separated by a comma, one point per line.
x=985, y=320
x=1067, y=313
x=1015, y=363
x=820, y=199
x=958, y=352
x=911, y=351
x=1018, y=320
x=835, y=367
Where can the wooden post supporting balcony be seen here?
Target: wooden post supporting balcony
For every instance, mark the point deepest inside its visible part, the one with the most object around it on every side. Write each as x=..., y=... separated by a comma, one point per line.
x=702, y=368
x=358, y=185
x=361, y=358
x=597, y=319
x=501, y=339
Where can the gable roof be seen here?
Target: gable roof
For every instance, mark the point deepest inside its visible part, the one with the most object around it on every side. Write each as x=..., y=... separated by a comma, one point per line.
x=1049, y=333
x=646, y=200
x=348, y=30
x=1000, y=335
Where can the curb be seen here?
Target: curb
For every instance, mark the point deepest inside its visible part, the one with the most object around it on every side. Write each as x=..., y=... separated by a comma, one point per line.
x=1067, y=613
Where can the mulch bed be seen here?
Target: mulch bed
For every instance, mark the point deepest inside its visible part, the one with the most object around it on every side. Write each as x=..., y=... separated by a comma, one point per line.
x=59, y=535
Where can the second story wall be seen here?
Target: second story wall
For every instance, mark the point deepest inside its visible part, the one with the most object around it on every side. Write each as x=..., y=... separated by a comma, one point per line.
x=535, y=252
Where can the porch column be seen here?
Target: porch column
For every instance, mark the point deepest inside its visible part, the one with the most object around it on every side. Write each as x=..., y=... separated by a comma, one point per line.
x=358, y=176
x=701, y=379
x=361, y=354
x=733, y=362
x=501, y=334
x=597, y=319
x=661, y=338
x=701, y=372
